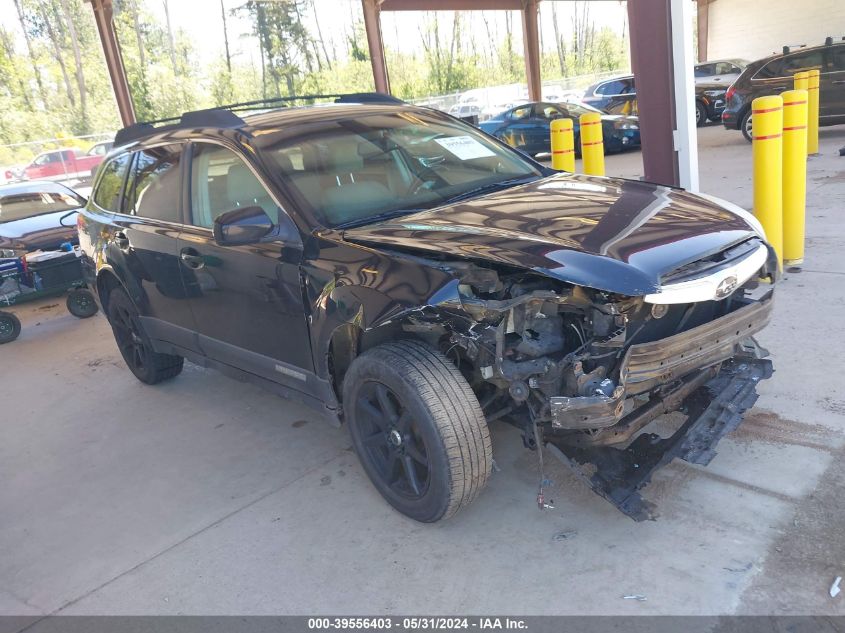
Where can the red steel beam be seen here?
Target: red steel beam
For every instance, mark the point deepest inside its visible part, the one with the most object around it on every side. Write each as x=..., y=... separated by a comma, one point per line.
x=703, y=11
x=651, y=61
x=531, y=44
x=372, y=23
x=103, y=14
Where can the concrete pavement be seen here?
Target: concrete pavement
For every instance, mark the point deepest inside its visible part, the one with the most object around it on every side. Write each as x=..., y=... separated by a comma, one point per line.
x=209, y=496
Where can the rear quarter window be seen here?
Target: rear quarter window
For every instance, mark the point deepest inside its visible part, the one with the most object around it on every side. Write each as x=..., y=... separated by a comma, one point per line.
x=110, y=185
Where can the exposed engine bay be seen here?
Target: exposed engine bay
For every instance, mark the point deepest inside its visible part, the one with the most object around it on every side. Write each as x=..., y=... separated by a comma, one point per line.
x=584, y=372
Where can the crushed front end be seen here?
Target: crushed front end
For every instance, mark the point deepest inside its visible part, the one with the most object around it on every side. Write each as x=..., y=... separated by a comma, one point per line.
x=584, y=372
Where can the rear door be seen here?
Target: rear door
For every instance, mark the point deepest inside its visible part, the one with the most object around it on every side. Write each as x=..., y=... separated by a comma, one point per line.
x=518, y=127
x=832, y=97
x=246, y=300
x=144, y=243
x=544, y=114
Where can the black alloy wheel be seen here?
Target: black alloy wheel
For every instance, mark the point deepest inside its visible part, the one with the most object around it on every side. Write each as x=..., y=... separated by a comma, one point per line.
x=148, y=366
x=392, y=440
x=417, y=428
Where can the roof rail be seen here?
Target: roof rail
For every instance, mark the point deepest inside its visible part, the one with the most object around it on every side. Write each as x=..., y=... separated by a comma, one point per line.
x=224, y=115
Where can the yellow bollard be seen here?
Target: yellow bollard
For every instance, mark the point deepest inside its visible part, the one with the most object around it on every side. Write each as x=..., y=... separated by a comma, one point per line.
x=563, y=145
x=802, y=80
x=794, y=174
x=813, y=112
x=592, y=145
x=767, y=147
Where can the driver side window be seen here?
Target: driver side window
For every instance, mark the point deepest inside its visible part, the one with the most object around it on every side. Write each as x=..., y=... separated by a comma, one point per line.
x=221, y=181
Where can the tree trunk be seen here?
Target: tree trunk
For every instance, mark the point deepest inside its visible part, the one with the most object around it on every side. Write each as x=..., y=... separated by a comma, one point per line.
x=226, y=37
x=77, y=58
x=28, y=41
x=320, y=36
x=58, y=55
x=170, y=40
x=142, y=59
x=10, y=53
x=559, y=43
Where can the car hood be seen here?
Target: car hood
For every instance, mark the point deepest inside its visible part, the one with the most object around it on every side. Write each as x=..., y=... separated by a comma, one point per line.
x=43, y=232
x=610, y=234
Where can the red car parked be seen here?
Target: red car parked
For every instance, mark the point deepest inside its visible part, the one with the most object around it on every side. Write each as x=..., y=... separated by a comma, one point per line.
x=62, y=164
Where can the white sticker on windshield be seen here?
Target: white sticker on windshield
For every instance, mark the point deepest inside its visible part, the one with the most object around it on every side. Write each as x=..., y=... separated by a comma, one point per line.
x=464, y=147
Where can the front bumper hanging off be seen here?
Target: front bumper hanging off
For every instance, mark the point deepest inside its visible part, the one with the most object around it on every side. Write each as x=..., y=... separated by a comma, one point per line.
x=714, y=408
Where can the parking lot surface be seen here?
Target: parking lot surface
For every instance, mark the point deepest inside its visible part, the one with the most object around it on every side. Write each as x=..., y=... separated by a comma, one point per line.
x=208, y=496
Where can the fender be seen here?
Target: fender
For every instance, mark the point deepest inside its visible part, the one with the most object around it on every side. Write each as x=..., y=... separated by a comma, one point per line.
x=359, y=286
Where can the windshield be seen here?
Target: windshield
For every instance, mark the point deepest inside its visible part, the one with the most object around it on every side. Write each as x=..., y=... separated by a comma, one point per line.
x=27, y=204
x=349, y=171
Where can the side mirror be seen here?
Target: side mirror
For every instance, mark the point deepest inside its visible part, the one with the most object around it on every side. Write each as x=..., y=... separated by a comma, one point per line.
x=70, y=214
x=244, y=225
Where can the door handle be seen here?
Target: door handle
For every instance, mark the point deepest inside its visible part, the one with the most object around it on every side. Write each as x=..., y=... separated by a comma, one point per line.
x=191, y=258
x=121, y=240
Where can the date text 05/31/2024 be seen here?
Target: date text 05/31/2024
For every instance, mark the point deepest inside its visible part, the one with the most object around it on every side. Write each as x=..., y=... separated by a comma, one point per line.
x=416, y=623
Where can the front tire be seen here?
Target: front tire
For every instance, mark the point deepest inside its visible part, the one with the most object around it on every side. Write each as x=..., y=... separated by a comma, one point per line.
x=135, y=346
x=746, y=127
x=418, y=429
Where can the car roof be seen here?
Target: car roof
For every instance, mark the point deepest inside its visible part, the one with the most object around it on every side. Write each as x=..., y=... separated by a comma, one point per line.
x=264, y=121
x=34, y=186
x=794, y=51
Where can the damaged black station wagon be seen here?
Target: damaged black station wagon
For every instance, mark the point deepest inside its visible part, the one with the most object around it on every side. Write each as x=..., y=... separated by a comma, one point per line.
x=405, y=274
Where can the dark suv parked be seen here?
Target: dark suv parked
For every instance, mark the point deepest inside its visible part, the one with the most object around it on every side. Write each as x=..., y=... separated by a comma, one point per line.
x=400, y=271
x=773, y=75
x=619, y=96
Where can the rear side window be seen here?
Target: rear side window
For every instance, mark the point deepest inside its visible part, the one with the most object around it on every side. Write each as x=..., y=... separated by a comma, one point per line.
x=615, y=87
x=154, y=189
x=704, y=70
x=790, y=64
x=838, y=59
x=107, y=195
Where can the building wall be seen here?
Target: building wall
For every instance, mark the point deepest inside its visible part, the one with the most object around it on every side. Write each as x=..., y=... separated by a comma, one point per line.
x=752, y=29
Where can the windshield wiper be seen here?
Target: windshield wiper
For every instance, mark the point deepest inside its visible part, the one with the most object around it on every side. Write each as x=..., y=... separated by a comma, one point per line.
x=379, y=217
x=491, y=187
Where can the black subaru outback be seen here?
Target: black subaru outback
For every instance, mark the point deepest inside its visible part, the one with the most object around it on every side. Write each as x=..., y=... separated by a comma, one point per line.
x=403, y=273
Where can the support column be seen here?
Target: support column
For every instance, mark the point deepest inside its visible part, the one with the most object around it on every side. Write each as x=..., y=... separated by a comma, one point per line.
x=531, y=43
x=703, y=11
x=103, y=16
x=655, y=68
x=683, y=62
x=372, y=22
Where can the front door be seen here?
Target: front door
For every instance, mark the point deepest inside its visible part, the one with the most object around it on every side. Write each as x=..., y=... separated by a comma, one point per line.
x=246, y=300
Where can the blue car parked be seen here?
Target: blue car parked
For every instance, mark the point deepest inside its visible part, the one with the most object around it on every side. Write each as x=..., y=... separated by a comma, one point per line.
x=527, y=126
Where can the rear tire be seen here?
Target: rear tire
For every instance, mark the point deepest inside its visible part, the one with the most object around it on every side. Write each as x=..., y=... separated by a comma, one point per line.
x=10, y=327
x=418, y=429
x=135, y=346
x=700, y=114
x=746, y=127
x=81, y=304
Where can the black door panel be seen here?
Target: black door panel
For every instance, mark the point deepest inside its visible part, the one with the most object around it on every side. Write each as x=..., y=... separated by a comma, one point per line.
x=246, y=300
